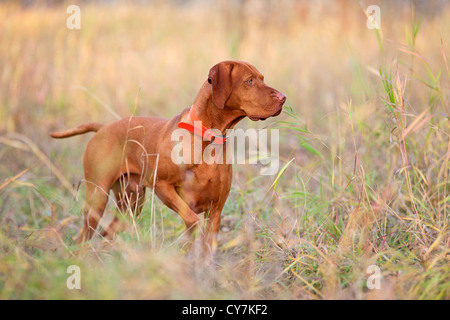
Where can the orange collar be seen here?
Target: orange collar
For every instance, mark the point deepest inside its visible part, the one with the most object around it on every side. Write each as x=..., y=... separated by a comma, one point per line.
x=202, y=131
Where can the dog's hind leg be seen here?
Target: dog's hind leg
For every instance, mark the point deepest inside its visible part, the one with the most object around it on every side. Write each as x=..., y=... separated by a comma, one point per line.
x=96, y=200
x=130, y=197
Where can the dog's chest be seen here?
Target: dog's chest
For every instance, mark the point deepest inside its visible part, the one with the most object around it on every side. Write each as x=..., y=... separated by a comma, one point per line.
x=204, y=185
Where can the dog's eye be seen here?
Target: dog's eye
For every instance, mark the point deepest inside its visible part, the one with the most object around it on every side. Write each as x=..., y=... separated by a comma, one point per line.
x=249, y=81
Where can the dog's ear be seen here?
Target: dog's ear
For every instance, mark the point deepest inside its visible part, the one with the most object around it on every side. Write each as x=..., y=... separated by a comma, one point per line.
x=220, y=79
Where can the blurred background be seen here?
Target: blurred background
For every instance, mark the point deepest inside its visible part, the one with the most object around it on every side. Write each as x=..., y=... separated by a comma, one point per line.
x=354, y=94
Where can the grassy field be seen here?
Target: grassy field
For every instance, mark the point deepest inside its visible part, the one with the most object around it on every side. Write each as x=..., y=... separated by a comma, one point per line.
x=365, y=149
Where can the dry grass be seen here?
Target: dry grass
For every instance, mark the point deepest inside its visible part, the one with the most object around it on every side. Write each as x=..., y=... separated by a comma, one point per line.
x=366, y=128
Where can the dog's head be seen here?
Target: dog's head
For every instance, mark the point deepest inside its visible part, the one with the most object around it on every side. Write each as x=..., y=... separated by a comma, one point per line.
x=239, y=86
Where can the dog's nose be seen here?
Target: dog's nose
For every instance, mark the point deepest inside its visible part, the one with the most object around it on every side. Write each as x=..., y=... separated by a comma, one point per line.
x=281, y=96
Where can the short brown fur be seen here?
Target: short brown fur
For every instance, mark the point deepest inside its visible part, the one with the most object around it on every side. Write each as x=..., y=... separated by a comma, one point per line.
x=121, y=156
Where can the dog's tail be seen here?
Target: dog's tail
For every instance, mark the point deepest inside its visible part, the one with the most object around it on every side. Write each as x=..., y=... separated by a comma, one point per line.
x=82, y=128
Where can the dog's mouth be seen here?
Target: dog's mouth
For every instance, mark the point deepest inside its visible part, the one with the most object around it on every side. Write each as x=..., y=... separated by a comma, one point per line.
x=256, y=118
x=253, y=118
x=278, y=112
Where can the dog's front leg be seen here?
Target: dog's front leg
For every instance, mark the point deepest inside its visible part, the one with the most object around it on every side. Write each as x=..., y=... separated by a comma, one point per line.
x=168, y=195
x=212, y=227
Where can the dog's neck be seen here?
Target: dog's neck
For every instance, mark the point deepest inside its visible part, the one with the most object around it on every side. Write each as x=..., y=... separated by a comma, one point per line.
x=210, y=115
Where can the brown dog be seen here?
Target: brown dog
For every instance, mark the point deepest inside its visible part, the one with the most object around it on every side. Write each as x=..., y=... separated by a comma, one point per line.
x=124, y=156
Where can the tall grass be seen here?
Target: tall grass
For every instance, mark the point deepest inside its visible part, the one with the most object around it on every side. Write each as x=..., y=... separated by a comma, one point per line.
x=364, y=143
